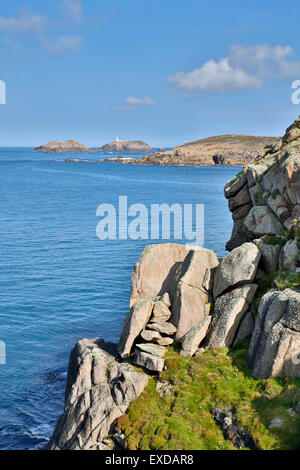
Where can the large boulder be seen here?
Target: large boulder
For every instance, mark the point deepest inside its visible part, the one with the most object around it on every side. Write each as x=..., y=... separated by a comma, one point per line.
x=134, y=323
x=190, y=298
x=149, y=361
x=239, y=267
x=191, y=340
x=153, y=349
x=230, y=309
x=269, y=255
x=164, y=328
x=275, y=343
x=99, y=390
x=154, y=272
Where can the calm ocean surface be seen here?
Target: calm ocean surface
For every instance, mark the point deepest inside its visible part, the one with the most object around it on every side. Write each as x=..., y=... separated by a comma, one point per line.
x=59, y=283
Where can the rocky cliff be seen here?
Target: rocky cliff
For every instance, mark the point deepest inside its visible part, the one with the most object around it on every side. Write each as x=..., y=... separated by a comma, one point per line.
x=126, y=145
x=218, y=150
x=70, y=146
x=188, y=308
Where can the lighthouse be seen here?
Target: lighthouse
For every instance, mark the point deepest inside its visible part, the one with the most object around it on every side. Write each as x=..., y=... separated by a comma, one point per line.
x=117, y=139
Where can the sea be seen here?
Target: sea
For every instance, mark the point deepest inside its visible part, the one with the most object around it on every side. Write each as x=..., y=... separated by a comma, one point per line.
x=59, y=282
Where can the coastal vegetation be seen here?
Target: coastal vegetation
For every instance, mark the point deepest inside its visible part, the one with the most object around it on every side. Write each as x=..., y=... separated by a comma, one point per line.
x=181, y=418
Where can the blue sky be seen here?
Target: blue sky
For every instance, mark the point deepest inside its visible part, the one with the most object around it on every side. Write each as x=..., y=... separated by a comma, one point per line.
x=163, y=71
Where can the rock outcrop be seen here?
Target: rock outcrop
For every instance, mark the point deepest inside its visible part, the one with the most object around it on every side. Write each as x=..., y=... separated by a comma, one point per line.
x=186, y=295
x=126, y=145
x=237, y=268
x=264, y=197
x=154, y=272
x=70, y=146
x=99, y=390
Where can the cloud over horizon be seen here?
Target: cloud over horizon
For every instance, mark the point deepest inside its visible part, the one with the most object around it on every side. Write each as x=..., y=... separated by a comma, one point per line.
x=244, y=68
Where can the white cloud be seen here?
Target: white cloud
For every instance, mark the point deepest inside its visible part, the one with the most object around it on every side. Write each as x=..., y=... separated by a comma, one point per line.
x=215, y=76
x=63, y=44
x=26, y=22
x=270, y=62
x=29, y=22
x=132, y=100
x=244, y=68
x=73, y=8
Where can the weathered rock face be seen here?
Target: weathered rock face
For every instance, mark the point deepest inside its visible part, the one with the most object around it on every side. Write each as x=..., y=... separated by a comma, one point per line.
x=269, y=255
x=190, y=297
x=161, y=312
x=273, y=184
x=191, y=340
x=261, y=221
x=275, y=344
x=70, y=146
x=99, y=390
x=289, y=255
x=246, y=327
x=239, y=267
x=154, y=272
x=230, y=309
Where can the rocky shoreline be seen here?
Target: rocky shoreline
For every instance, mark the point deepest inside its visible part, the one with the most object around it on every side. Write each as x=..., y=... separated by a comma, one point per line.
x=220, y=150
x=188, y=298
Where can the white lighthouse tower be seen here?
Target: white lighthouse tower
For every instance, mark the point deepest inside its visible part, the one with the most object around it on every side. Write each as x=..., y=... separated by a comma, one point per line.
x=117, y=139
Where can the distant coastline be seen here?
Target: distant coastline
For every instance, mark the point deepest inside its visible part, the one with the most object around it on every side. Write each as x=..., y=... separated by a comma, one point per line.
x=230, y=149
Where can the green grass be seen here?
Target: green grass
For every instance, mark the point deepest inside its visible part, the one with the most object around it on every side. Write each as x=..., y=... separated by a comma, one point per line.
x=274, y=240
x=182, y=420
x=285, y=279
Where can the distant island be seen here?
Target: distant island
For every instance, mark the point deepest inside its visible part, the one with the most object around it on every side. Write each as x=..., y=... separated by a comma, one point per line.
x=70, y=146
x=230, y=149
x=127, y=145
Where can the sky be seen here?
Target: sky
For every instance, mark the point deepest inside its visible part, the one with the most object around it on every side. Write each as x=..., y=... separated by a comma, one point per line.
x=163, y=71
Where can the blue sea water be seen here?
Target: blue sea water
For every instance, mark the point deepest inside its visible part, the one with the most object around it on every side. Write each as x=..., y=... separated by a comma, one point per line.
x=59, y=282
